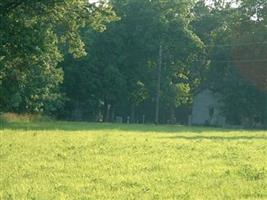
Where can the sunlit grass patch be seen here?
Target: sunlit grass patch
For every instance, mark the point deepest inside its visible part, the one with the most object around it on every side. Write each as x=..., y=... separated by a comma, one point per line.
x=111, y=161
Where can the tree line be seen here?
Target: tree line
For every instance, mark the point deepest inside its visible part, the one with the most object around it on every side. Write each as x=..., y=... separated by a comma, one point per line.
x=94, y=61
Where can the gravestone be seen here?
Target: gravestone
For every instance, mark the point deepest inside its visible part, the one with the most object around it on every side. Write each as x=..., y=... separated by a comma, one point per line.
x=119, y=119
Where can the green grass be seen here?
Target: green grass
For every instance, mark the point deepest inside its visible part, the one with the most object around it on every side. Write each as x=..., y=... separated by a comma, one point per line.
x=63, y=160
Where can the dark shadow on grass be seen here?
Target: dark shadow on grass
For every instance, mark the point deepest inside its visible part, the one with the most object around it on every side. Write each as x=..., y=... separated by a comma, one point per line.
x=84, y=126
x=219, y=138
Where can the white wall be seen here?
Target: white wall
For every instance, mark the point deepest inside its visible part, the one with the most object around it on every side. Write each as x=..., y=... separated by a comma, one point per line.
x=202, y=103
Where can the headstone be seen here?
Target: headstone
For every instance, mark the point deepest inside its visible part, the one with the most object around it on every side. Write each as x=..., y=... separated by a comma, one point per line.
x=119, y=119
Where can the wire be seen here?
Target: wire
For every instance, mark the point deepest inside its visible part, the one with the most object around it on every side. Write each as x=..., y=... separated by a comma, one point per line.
x=236, y=61
x=244, y=61
x=240, y=44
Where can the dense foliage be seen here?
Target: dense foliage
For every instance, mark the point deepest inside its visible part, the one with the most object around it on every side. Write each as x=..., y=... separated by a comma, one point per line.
x=122, y=62
x=238, y=61
x=78, y=60
x=34, y=37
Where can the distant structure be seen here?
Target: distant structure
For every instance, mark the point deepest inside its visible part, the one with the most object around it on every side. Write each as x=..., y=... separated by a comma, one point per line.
x=206, y=109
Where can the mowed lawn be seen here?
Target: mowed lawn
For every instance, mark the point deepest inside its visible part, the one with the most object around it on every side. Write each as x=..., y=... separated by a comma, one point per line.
x=63, y=160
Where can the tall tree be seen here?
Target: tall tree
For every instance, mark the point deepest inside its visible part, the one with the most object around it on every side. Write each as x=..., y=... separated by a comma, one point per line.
x=126, y=57
x=32, y=35
x=237, y=62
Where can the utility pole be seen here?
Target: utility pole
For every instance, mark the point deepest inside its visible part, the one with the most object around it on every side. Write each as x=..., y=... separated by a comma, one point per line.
x=265, y=112
x=158, y=85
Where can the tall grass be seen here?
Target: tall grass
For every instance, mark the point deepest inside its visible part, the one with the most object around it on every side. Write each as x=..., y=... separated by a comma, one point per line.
x=14, y=117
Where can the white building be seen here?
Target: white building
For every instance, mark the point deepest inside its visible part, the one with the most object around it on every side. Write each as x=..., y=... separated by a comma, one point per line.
x=207, y=109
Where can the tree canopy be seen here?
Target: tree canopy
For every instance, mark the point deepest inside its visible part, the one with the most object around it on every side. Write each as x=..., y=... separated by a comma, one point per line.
x=80, y=60
x=35, y=35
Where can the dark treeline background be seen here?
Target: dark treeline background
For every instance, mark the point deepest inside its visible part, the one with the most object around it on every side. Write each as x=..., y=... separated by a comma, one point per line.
x=79, y=60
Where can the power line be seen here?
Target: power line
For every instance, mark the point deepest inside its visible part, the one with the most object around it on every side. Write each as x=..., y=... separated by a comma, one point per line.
x=244, y=61
x=240, y=44
x=236, y=61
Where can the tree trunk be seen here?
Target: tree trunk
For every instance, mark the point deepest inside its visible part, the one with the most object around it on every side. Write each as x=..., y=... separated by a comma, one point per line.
x=112, y=113
x=172, y=115
x=77, y=112
x=106, y=111
x=132, y=113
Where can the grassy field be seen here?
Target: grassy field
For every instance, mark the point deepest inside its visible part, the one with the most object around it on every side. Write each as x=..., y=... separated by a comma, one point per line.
x=63, y=160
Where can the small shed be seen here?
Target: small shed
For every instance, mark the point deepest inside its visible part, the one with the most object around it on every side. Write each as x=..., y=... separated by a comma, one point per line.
x=206, y=109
